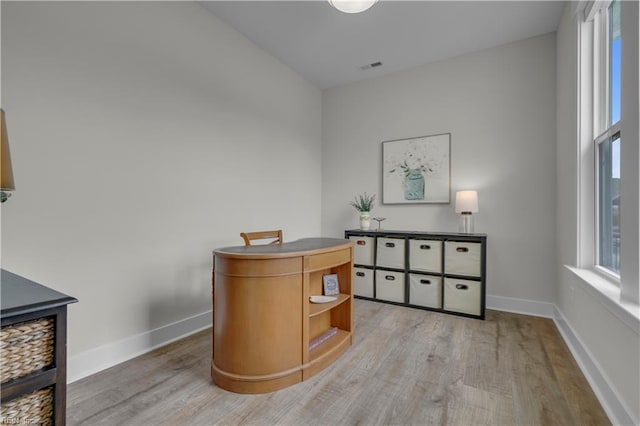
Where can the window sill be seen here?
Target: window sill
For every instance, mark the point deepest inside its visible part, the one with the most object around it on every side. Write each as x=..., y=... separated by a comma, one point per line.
x=608, y=294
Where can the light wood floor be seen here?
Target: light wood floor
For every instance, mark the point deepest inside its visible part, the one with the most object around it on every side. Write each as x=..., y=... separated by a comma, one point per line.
x=406, y=366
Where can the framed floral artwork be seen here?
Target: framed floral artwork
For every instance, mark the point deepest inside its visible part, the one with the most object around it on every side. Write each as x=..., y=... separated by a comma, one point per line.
x=417, y=170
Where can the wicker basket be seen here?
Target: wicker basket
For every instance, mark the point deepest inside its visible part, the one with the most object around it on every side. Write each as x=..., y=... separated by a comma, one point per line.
x=35, y=408
x=25, y=348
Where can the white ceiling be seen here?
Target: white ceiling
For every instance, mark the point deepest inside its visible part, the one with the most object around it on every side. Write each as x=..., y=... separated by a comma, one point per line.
x=328, y=47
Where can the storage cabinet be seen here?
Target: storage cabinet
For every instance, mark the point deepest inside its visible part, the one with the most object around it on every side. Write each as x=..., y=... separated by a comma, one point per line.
x=390, y=252
x=436, y=271
x=425, y=255
x=363, y=282
x=363, y=249
x=462, y=296
x=463, y=258
x=390, y=285
x=425, y=290
x=33, y=354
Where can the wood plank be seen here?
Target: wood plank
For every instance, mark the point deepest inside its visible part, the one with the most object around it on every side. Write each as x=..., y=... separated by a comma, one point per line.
x=406, y=366
x=573, y=385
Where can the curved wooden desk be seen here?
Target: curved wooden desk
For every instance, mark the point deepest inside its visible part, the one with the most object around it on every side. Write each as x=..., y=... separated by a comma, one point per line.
x=263, y=321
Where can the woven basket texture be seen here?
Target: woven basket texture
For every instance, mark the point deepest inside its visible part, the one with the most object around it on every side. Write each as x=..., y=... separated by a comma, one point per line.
x=25, y=348
x=35, y=408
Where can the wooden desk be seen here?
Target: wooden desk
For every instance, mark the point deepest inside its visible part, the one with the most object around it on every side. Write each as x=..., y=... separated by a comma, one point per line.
x=263, y=321
x=34, y=352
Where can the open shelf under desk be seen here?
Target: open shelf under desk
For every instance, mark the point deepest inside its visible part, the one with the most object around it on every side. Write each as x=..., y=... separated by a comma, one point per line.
x=318, y=308
x=326, y=347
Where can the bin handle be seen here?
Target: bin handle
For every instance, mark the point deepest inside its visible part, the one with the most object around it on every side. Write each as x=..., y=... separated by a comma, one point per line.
x=425, y=281
x=462, y=249
x=389, y=277
x=360, y=274
x=462, y=287
x=361, y=242
x=425, y=247
x=389, y=244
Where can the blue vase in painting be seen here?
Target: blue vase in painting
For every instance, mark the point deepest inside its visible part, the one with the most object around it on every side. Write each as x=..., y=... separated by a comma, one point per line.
x=414, y=185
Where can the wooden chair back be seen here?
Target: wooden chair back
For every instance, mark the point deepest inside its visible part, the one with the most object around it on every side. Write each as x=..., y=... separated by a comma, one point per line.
x=262, y=235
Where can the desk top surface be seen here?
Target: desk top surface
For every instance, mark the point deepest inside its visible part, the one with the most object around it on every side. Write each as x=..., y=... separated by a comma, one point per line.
x=20, y=296
x=304, y=246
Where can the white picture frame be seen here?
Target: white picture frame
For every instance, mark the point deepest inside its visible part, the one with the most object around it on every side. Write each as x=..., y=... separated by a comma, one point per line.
x=417, y=170
x=330, y=285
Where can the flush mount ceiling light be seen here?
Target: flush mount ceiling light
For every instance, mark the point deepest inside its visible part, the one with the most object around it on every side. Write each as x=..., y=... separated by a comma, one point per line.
x=352, y=6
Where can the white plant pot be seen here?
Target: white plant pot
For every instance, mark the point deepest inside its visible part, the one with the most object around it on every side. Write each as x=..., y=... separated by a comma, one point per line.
x=365, y=220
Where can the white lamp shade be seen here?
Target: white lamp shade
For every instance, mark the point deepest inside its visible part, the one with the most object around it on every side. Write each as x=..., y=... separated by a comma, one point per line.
x=466, y=202
x=6, y=171
x=352, y=6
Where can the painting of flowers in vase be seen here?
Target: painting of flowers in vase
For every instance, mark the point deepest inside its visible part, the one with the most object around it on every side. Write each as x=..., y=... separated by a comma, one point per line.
x=416, y=170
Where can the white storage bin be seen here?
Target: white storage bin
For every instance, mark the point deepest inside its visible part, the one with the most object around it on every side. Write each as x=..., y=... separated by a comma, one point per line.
x=425, y=290
x=425, y=255
x=390, y=286
x=462, y=258
x=390, y=253
x=363, y=250
x=363, y=282
x=462, y=296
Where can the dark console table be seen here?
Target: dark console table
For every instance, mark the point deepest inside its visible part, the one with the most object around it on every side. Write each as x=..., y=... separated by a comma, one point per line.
x=33, y=352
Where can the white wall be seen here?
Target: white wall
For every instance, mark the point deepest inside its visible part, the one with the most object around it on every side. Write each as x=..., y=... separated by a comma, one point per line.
x=499, y=106
x=630, y=153
x=143, y=136
x=605, y=337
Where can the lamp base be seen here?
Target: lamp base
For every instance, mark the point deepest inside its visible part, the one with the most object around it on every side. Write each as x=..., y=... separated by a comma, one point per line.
x=466, y=223
x=4, y=196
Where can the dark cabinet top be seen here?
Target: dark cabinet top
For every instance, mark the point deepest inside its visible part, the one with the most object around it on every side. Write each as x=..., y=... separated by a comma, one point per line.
x=19, y=296
x=415, y=234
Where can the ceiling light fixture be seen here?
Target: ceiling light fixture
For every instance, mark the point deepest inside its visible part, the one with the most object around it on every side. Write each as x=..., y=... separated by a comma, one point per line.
x=352, y=6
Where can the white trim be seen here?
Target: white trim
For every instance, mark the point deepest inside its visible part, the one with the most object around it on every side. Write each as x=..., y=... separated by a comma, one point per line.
x=585, y=148
x=609, y=133
x=593, y=7
x=94, y=360
x=520, y=306
x=611, y=403
x=608, y=294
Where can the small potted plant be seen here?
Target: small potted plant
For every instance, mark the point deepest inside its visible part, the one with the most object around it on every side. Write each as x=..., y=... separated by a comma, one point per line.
x=364, y=204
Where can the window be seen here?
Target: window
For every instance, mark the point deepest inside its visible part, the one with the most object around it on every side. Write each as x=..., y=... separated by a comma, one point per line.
x=607, y=90
x=607, y=66
x=609, y=204
x=615, y=62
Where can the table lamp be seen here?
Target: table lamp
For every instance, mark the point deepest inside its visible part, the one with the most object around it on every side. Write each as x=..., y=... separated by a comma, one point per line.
x=6, y=171
x=466, y=205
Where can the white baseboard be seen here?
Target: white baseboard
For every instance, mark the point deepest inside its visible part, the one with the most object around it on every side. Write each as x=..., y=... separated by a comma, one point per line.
x=520, y=306
x=92, y=361
x=611, y=403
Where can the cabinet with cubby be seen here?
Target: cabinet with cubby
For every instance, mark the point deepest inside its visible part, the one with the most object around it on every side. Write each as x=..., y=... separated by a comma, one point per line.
x=436, y=271
x=267, y=334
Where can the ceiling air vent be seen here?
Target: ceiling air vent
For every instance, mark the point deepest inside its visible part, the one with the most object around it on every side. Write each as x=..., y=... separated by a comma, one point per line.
x=372, y=65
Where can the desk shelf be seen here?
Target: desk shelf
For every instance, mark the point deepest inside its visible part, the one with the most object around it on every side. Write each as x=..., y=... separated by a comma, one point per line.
x=318, y=308
x=330, y=345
